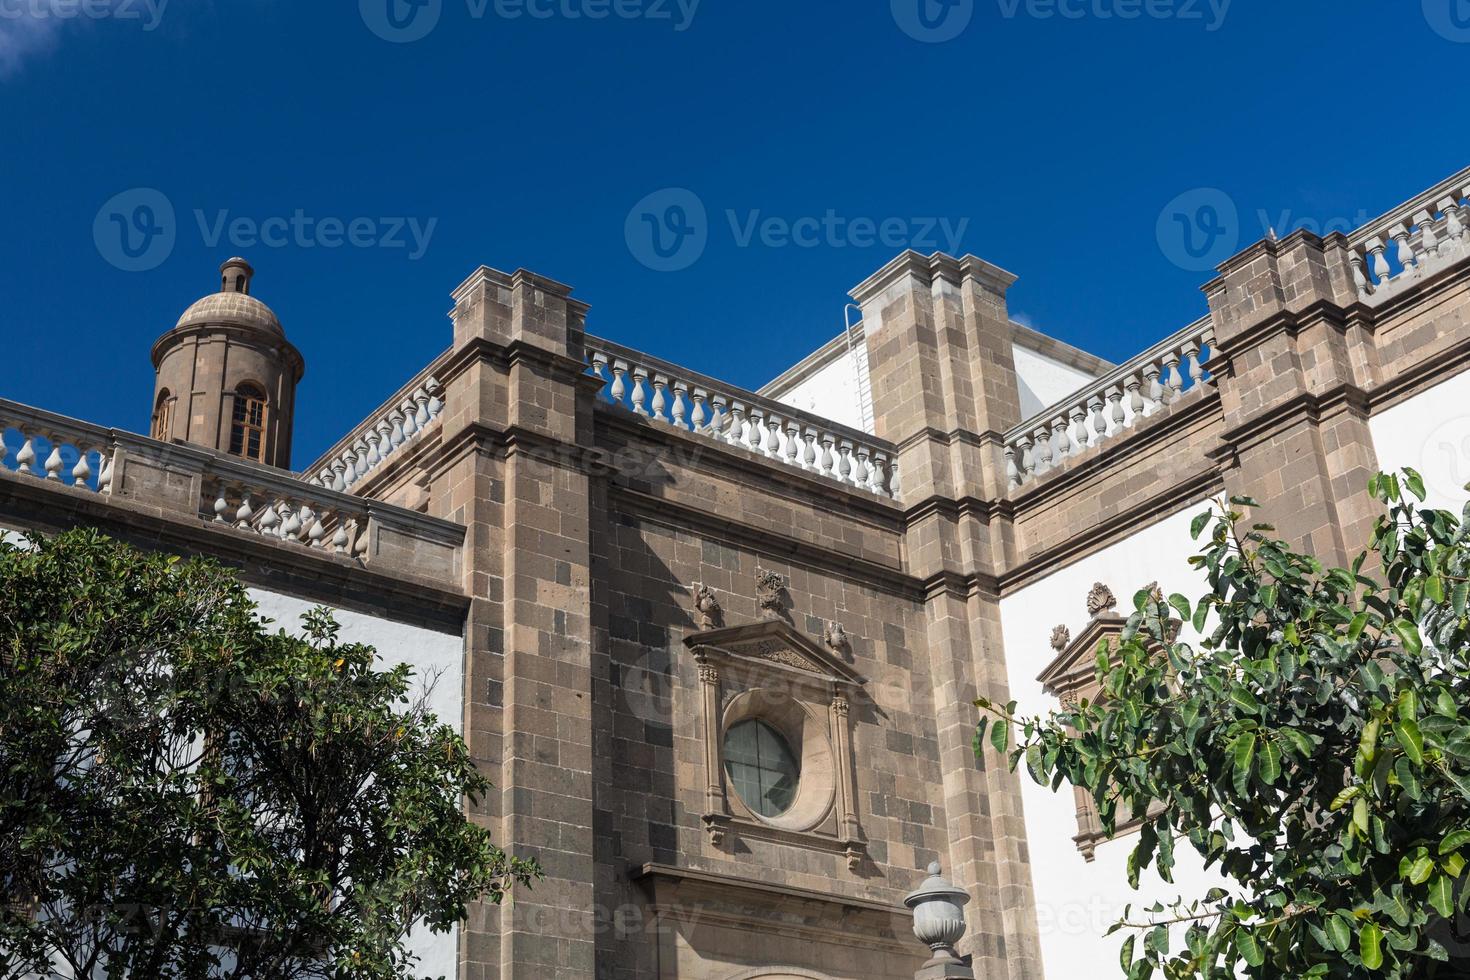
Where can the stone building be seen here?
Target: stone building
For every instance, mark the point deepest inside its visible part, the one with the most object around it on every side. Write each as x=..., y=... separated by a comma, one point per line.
x=716, y=648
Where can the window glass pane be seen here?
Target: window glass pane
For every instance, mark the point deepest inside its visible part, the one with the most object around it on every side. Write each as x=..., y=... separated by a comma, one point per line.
x=762, y=768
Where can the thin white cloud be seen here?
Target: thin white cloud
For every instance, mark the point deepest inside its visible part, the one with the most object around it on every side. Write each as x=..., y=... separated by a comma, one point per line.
x=31, y=28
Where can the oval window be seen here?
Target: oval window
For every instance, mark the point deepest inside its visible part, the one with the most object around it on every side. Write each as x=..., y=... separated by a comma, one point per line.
x=761, y=767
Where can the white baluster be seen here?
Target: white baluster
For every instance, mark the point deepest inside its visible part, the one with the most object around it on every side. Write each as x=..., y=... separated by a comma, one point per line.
x=421, y=399
x=1025, y=459
x=756, y=438
x=1013, y=470
x=245, y=512
x=829, y=457
x=876, y=474
x=719, y=417
x=316, y=532
x=1079, y=427
x=104, y=475
x=396, y=435
x=895, y=481
x=772, y=447
x=681, y=403
x=860, y=472
x=844, y=461
x=221, y=504
x=270, y=519
x=1428, y=240
x=736, y=434
x=4, y=449
x=385, y=439
x=638, y=394
x=599, y=364
x=1360, y=275
x=794, y=447
x=1405, y=254
x=53, y=459
x=1042, y=437
x=1191, y=362
x=619, y=387
x=27, y=455
x=809, y=453
x=436, y=397
x=1171, y=371
x=660, y=397
x=360, y=546
x=697, y=416
x=1115, y=403
x=409, y=413
x=1061, y=443
x=82, y=472
x=294, y=523
x=1155, y=389
x=360, y=459
x=1381, y=272
x=1454, y=223
x=339, y=536
x=1095, y=408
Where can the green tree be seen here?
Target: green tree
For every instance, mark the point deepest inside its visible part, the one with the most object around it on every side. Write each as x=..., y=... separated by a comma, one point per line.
x=1314, y=747
x=185, y=793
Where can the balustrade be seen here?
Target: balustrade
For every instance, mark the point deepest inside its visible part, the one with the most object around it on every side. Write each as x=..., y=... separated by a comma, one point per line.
x=669, y=395
x=1163, y=375
x=52, y=447
x=1413, y=240
x=375, y=441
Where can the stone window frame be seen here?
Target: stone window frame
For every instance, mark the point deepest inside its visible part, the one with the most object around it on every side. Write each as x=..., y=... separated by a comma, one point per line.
x=1072, y=678
x=249, y=393
x=163, y=415
x=771, y=672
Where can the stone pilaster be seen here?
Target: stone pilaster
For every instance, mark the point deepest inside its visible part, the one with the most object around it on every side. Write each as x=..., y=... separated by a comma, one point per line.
x=1295, y=360
x=517, y=418
x=945, y=390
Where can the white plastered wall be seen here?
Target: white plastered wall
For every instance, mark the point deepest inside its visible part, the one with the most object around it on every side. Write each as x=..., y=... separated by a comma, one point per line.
x=1430, y=432
x=1044, y=381
x=437, y=659
x=1078, y=901
x=835, y=391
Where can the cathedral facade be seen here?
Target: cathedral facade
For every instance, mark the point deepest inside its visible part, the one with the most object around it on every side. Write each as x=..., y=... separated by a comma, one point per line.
x=718, y=649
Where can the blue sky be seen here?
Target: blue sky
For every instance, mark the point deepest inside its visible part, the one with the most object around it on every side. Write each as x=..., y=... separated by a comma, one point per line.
x=1047, y=136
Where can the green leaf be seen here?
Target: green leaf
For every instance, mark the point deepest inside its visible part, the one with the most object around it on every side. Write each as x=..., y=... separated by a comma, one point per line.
x=1360, y=814
x=1442, y=896
x=1419, y=870
x=1410, y=740
x=1125, y=958
x=1454, y=841
x=1250, y=948
x=1243, y=754
x=1356, y=627
x=1244, y=699
x=1370, y=945
x=1408, y=635
x=1415, y=482
x=1270, y=763
x=1198, y=525
x=1000, y=735
x=1339, y=932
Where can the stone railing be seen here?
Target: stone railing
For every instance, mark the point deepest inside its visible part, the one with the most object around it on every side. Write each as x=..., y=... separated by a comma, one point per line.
x=224, y=491
x=1413, y=240
x=1106, y=409
x=398, y=422
x=54, y=447
x=670, y=395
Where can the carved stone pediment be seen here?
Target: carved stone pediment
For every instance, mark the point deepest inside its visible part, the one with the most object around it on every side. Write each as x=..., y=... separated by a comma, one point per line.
x=1074, y=670
x=776, y=643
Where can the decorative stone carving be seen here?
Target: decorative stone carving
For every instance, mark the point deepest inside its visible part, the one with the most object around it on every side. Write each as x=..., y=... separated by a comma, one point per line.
x=711, y=613
x=1100, y=600
x=1060, y=638
x=769, y=587
x=836, y=638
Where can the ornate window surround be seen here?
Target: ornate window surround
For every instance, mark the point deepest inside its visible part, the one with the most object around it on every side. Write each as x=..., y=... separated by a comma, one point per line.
x=768, y=670
x=1071, y=678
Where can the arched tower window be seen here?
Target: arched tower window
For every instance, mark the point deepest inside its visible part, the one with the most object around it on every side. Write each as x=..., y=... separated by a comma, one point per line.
x=163, y=416
x=247, y=428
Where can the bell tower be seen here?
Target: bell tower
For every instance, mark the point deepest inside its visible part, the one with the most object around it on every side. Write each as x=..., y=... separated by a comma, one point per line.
x=225, y=376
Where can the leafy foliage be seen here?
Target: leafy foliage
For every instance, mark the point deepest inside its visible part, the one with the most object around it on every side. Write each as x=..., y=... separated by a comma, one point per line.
x=1315, y=748
x=184, y=793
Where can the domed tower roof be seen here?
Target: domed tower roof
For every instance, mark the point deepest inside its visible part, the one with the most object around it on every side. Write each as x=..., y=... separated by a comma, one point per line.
x=233, y=305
